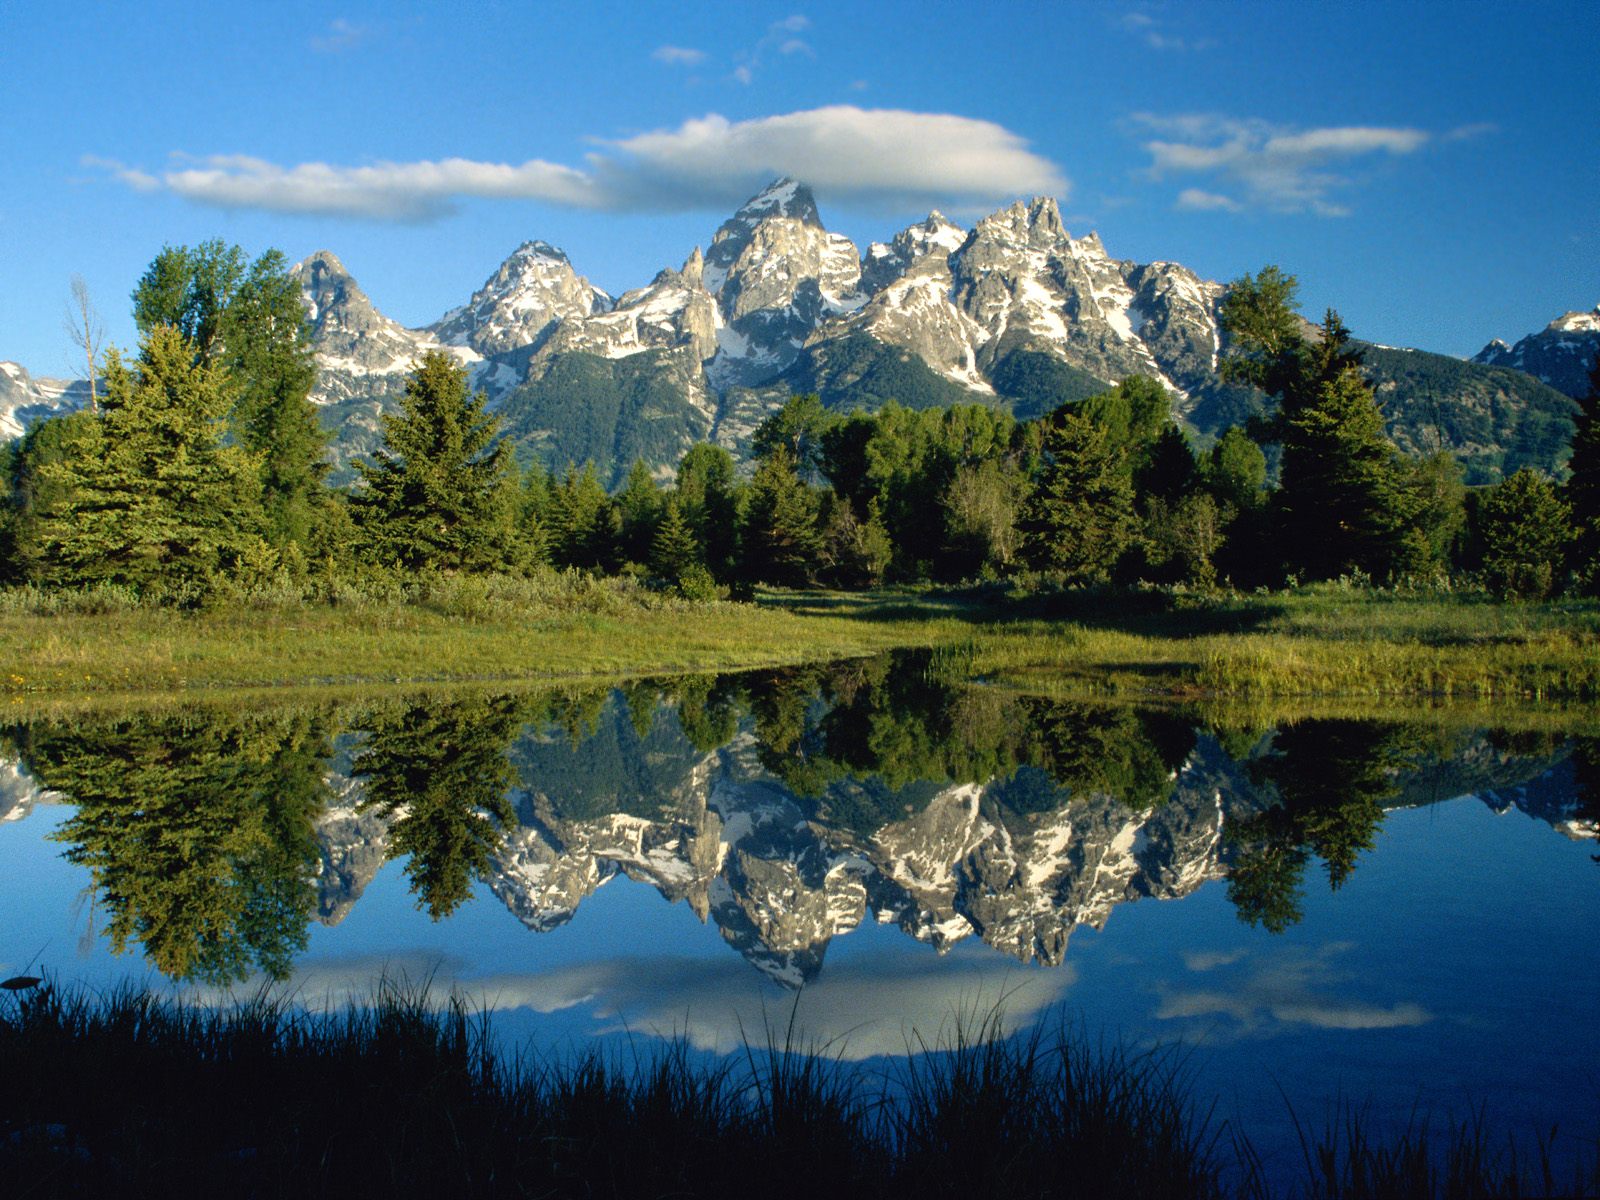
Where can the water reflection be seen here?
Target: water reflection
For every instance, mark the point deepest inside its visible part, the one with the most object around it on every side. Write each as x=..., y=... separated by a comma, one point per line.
x=785, y=807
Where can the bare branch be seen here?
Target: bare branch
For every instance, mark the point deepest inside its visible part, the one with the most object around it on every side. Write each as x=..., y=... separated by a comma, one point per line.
x=84, y=328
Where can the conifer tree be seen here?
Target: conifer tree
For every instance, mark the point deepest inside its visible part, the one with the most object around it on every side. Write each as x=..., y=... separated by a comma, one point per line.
x=583, y=524
x=1342, y=501
x=1079, y=517
x=148, y=495
x=438, y=497
x=673, y=552
x=639, y=505
x=708, y=498
x=781, y=540
x=1582, y=492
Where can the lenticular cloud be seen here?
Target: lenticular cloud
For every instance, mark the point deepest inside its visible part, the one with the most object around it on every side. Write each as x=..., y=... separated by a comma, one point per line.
x=851, y=155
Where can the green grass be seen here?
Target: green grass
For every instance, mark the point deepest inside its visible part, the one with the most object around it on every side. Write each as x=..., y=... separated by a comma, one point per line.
x=1325, y=641
x=132, y=1095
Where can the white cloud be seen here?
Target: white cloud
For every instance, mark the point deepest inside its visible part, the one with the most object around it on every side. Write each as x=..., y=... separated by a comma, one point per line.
x=743, y=74
x=1153, y=34
x=1282, y=988
x=1199, y=200
x=341, y=35
x=854, y=1010
x=1276, y=167
x=678, y=56
x=848, y=154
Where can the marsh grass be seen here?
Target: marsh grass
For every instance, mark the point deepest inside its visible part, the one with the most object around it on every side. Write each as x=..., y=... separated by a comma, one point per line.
x=1323, y=641
x=129, y=1094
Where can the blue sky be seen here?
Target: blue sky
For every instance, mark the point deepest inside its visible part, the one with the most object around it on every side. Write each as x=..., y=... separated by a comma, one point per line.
x=1431, y=170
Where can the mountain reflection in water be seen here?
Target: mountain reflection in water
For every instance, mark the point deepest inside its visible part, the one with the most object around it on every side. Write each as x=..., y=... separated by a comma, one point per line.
x=786, y=807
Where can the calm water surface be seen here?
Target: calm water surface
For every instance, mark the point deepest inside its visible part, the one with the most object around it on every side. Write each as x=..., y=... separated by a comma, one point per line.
x=1399, y=913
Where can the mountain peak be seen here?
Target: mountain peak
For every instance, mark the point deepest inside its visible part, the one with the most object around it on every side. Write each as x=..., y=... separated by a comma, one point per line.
x=786, y=197
x=541, y=249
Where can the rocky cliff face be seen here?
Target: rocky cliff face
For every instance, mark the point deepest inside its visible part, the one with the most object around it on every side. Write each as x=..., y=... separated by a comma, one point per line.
x=1561, y=354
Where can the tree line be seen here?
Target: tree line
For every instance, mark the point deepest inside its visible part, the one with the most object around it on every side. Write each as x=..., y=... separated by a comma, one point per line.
x=203, y=469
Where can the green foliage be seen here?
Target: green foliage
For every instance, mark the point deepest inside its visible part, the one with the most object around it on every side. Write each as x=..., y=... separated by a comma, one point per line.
x=854, y=553
x=1330, y=779
x=442, y=496
x=639, y=505
x=197, y=833
x=1236, y=470
x=797, y=429
x=1525, y=529
x=1582, y=491
x=611, y=412
x=708, y=496
x=246, y=318
x=1342, y=502
x=1134, y=415
x=673, y=552
x=1258, y=314
x=1079, y=516
x=583, y=522
x=981, y=505
x=781, y=543
x=1036, y=384
x=147, y=495
x=441, y=772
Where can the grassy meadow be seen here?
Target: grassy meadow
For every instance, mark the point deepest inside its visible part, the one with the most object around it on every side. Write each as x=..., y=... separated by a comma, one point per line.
x=1323, y=641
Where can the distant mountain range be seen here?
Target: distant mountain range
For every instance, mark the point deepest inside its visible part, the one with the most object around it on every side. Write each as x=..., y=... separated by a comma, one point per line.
x=1561, y=354
x=1014, y=312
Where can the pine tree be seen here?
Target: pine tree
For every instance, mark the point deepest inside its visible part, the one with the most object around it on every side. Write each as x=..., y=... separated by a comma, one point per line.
x=673, y=552
x=1079, y=517
x=148, y=495
x=639, y=506
x=1582, y=490
x=1342, y=502
x=438, y=496
x=583, y=524
x=781, y=541
x=708, y=497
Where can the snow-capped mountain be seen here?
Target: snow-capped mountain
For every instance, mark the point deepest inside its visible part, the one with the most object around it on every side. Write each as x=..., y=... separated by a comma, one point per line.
x=1561, y=354
x=1015, y=312
x=25, y=399
x=531, y=293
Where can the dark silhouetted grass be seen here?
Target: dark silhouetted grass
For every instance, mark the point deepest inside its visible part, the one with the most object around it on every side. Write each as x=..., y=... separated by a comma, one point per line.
x=132, y=1095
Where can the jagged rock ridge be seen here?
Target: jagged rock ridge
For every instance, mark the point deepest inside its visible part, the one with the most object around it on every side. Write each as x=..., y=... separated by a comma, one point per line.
x=1561, y=354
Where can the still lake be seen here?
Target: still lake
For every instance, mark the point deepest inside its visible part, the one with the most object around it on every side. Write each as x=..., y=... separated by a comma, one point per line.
x=1394, y=912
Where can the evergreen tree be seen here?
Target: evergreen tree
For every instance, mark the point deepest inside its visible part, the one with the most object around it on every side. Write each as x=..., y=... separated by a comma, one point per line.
x=708, y=497
x=148, y=495
x=583, y=522
x=1079, y=517
x=1342, y=502
x=781, y=543
x=441, y=771
x=1525, y=530
x=439, y=496
x=1582, y=491
x=639, y=505
x=673, y=552
x=197, y=833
